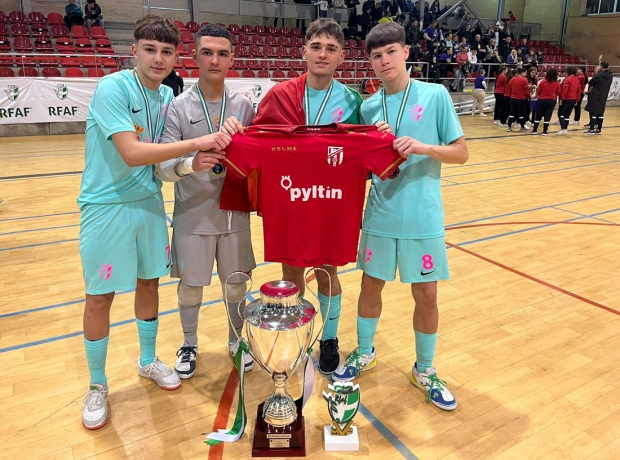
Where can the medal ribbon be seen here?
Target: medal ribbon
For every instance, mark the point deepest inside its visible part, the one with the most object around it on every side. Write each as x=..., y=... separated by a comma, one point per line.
x=152, y=130
x=321, y=108
x=400, y=111
x=206, y=111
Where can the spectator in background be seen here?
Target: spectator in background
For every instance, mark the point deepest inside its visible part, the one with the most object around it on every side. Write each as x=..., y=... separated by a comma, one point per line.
x=468, y=33
x=376, y=14
x=500, y=103
x=443, y=31
x=478, y=47
x=430, y=35
x=583, y=81
x=386, y=17
x=93, y=15
x=435, y=9
x=511, y=16
x=175, y=82
x=412, y=36
x=540, y=57
x=512, y=59
x=525, y=49
x=598, y=91
x=548, y=92
x=323, y=6
x=445, y=59
x=472, y=58
x=73, y=15
x=365, y=21
x=570, y=96
x=461, y=67
x=416, y=12
x=466, y=20
x=279, y=12
x=479, y=94
x=393, y=8
x=447, y=42
x=337, y=14
x=505, y=48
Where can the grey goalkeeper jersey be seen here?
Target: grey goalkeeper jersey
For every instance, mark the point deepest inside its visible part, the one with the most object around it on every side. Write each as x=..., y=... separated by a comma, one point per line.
x=197, y=195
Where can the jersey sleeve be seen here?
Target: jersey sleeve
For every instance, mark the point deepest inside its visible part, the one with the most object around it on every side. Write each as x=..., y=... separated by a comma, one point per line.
x=240, y=161
x=448, y=124
x=381, y=158
x=110, y=108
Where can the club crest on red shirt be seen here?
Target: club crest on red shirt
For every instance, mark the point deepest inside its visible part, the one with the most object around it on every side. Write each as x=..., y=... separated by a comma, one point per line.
x=335, y=155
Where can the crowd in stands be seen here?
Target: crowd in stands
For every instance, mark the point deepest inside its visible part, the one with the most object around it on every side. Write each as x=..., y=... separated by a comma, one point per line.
x=92, y=15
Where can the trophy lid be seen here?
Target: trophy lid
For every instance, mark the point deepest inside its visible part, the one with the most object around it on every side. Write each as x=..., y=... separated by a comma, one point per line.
x=280, y=308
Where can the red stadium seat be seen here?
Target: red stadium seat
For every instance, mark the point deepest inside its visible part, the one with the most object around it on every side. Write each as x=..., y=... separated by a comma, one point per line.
x=292, y=74
x=98, y=32
x=272, y=31
x=246, y=29
x=260, y=30
x=240, y=64
x=95, y=73
x=22, y=45
x=189, y=63
x=271, y=40
x=79, y=32
x=337, y=75
x=109, y=62
x=74, y=73
x=296, y=32
x=254, y=51
x=69, y=62
x=177, y=65
x=4, y=30
x=43, y=33
x=296, y=41
x=235, y=29
x=6, y=72
x=51, y=72
x=55, y=19
x=181, y=50
x=20, y=30
x=17, y=16
x=282, y=51
x=90, y=61
x=347, y=77
x=298, y=65
x=258, y=39
x=65, y=45
x=104, y=46
x=283, y=40
x=59, y=30
x=183, y=73
x=186, y=36
x=28, y=72
x=242, y=51
x=269, y=51
x=179, y=25
x=232, y=74
x=245, y=39
x=279, y=74
x=254, y=64
x=192, y=26
x=36, y=17
x=3, y=18
x=5, y=45
x=284, y=31
x=192, y=47
x=248, y=74
x=43, y=46
x=195, y=73
x=84, y=45
x=295, y=52
x=48, y=62
x=205, y=23
x=263, y=74
x=21, y=61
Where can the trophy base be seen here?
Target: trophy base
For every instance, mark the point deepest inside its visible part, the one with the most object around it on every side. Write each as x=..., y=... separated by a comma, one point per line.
x=348, y=443
x=288, y=441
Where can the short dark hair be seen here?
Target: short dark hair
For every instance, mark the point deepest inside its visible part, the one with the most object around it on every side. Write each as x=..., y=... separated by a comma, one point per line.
x=213, y=30
x=551, y=75
x=521, y=70
x=604, y=64
x=384, y=34
x=158, y=28
x=325, y=26
x=571, y=70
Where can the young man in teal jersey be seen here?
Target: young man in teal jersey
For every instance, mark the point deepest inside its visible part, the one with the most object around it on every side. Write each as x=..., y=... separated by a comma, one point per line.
x=123, y=232
x=403, y=222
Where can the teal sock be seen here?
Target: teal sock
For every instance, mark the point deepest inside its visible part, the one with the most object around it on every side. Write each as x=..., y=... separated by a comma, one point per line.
x=425, y=350
x=366, y=330
x=96, y=353
x=331, y=326
x=147, y=331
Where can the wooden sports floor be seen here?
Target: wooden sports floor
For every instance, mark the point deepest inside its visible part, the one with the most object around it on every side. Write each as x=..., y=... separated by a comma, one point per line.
x=529, y=337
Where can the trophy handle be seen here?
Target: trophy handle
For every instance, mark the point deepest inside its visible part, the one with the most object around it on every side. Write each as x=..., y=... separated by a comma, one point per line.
x=248, y=290
x=329, y=303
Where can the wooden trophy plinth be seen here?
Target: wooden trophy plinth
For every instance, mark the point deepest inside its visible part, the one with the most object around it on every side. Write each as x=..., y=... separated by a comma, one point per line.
x=288, y=441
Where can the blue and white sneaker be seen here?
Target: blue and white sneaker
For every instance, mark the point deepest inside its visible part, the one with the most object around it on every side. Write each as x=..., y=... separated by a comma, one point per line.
x=436, y=390
x=353, y=365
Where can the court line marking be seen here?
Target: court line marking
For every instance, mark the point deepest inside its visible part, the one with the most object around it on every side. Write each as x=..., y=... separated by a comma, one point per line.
x=505, y=136
x=42, y=175
x=533, y=173
x=536, y=280
x=30, y=230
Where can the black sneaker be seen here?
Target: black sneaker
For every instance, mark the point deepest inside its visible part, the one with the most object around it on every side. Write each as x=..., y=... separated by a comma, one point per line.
x=589, y=133
x=597, y=132
x=329, y=357
x=185, y=365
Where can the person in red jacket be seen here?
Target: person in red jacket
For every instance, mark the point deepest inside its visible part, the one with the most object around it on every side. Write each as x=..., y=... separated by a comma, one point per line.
x=548, y=92
x=460, y=70
x=582, y=76
x=519, y=90
x=500, y=89
x=569, y=96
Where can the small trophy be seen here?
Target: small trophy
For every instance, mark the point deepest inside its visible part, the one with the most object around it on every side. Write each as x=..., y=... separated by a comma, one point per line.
x=341, y=436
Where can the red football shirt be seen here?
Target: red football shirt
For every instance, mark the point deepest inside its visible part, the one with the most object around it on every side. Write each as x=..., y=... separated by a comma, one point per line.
x=312, y=183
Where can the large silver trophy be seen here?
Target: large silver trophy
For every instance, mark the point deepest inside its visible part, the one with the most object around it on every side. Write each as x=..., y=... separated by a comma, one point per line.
x=279, y=333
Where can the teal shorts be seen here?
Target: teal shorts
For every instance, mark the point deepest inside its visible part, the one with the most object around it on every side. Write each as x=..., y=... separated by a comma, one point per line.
x=418, y=261
x=120, y=243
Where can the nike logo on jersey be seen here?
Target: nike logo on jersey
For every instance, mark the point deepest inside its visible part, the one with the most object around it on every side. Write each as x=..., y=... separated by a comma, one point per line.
x=428, y=273
x=193, y=122
x=135, y=111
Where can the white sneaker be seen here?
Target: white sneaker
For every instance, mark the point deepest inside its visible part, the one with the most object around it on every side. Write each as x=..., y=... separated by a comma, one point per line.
x=561, y=132
x=161, y=374
x=502, y=125
x=436, y=390
x=573, y=122
x=185, y=364
x=354, y=364
x=556, y=122
x=248, y=362
x=497, y=122
x=527, y=125
x=482, y=114
x=95, y=411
